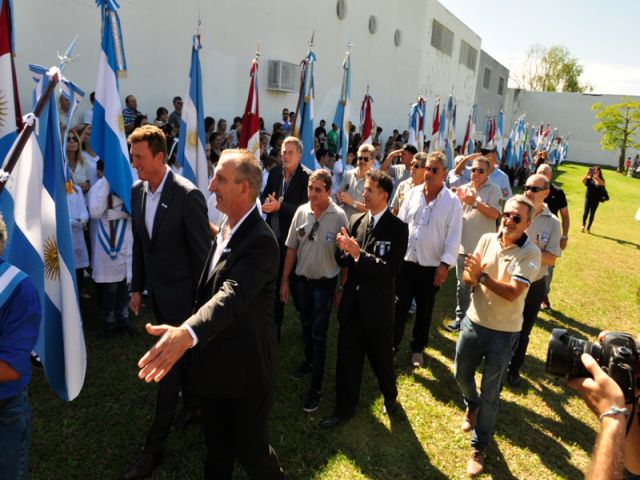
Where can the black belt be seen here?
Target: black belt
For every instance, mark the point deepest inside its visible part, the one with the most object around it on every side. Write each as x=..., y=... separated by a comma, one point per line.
x=316, y=280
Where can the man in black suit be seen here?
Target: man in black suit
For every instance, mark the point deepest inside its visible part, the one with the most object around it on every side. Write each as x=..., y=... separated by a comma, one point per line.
x=285, y=191
x=372, y=249
x=171, y=240
x=232, y=334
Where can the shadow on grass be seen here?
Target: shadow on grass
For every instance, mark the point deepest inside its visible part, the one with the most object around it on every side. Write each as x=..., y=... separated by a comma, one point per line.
x=560, y=320
x=619, y=241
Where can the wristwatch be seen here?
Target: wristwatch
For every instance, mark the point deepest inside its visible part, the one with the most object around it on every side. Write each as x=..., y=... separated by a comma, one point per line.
x=483, y=277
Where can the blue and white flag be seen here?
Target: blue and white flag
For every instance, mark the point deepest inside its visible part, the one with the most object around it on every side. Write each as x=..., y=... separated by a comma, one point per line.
x=450, y=138
x=306, y=112
x=509, y=154
x=417, y=114
x=34, y=205
x=341, y=118
x=9, y=101
x=191, y=152
x=497, y=136
x=107, y=129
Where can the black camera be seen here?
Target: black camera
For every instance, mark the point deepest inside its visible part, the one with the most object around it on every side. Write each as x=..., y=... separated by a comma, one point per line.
x=617, y=355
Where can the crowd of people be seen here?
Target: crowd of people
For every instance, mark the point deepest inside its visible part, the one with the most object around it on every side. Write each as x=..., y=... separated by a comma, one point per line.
x=376, y=241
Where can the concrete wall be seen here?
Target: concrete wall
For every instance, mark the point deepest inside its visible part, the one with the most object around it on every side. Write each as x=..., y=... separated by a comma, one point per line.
x=157, y=38
x=569, y=113
x=489, y=102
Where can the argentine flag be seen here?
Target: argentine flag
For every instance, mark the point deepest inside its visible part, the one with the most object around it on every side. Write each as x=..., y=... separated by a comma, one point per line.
x=107, y=129
x=306, y=113
x=34, y=206
x=341, y=118
x=191, y=153
x=497, y=136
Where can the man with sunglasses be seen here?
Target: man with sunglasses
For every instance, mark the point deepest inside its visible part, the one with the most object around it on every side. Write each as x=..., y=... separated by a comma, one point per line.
x=434, y=216
x=545, y=232
x=500, y=271
x=481, y=208
x=311, y=248
x=496, y=175
x=416, y=168
x=399, y=171
x=351, y=188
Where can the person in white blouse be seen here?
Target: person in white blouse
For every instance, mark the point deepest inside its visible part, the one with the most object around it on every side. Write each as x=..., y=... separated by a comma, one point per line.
x=434, y=216
x=79, y=217
x=111, y=253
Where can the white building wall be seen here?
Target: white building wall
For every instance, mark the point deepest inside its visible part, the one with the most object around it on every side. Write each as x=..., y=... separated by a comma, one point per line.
x=571, y=114
x=157, y=38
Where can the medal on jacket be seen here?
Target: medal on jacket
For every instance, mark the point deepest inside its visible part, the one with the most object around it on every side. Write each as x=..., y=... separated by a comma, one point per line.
x=382, y=248
x=281, y=198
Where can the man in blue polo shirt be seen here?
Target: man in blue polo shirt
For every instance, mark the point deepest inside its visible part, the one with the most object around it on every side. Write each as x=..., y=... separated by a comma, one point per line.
x=20, y=315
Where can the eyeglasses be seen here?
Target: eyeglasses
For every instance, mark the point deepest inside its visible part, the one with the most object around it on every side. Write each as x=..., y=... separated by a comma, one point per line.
x=533, y=188
x=312, y=234
x=478, y=170
x=364, y=159
x=72, y=139
x=432, y=169
x=513, y=216
x=416, y=166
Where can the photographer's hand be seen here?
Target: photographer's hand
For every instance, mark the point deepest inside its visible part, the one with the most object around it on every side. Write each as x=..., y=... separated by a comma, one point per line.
x=601, y=392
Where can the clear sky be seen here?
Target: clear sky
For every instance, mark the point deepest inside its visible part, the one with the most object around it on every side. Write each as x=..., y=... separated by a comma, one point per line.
x=603, y=35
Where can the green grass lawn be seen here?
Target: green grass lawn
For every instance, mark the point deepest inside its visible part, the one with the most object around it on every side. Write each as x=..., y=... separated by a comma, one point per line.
x=543, y=430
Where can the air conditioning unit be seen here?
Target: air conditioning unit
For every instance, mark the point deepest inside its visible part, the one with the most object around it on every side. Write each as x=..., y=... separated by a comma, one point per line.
x=283, y=76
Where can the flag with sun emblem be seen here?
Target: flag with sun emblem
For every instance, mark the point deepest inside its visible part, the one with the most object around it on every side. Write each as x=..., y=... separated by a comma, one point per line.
x=191, y=153
x=307, y=98
x=341, y=118
x=34, y=205
x=107, y=128
x=9, y=104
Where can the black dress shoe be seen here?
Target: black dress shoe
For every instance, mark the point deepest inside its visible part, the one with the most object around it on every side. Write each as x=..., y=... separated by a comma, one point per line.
x=514, y=379
x=143, y=467
x=333, y=421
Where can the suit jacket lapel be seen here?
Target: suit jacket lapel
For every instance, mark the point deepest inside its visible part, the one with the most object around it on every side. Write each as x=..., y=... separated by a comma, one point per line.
x=163, y=204
x=143, y=207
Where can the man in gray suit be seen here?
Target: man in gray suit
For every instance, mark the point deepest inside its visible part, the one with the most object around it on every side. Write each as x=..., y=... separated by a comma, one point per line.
x=171, y=240
x=232, y=335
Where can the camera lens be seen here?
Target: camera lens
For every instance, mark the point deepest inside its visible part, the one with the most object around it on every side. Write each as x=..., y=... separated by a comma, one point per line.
x=563, y=355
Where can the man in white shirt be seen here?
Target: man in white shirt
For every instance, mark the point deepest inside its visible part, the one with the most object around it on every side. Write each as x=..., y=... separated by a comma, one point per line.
x=434, y=216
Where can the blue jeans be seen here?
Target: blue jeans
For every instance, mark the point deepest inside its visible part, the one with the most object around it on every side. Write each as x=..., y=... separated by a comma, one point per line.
x=15, y=417
x=115, y=299
x=313, y=299
x=463, y=291
x=476, y=343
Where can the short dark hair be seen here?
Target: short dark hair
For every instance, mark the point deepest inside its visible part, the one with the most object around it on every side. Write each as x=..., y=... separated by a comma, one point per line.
x=161, y=111
x=100, y=165
x=177, y=99
x=321, y=152
x=153, y=136
x=383, y=179
x=407, y=147
x=324, y=176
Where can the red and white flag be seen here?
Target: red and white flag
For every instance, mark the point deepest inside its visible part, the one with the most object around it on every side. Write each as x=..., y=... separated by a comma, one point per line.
x=365, y=120
x=10, y=118
x=250, y=134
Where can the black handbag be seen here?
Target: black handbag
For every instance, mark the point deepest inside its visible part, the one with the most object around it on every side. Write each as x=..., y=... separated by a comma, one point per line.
x=604, y=195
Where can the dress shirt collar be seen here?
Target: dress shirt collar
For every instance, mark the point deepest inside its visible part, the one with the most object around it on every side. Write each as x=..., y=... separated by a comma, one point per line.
x=160, y=187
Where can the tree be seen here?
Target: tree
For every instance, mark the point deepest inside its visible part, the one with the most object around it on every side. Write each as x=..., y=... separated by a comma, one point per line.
x=619, y=125
x=551, y=69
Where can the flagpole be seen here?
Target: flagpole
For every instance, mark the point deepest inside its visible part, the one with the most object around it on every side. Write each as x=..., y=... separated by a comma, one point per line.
x=23, y=137
x=302, y=85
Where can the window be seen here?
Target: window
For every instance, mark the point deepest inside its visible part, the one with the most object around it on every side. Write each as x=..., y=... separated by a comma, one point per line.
x=486, y=80
x=501, y=86
x=441, y=38
x=468, y=55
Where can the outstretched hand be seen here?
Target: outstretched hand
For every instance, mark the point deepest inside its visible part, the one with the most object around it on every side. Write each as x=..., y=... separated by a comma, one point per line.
x=157, y=362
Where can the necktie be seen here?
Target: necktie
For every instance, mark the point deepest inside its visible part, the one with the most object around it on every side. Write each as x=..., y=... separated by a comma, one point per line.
x=370, y=228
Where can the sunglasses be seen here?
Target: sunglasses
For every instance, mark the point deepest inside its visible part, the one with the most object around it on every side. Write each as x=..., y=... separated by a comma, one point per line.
x=432, y=169
x=313, y=233
x=479, y=170
x=72, y=139
x=416, y=166
x=364, y=159
x=533, y=188
x=513, y=216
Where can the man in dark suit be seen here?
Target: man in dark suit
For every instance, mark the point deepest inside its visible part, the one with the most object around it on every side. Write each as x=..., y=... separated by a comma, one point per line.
x=285, y=191
x=372, y=249
x=171, y=240
x=232, y=335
